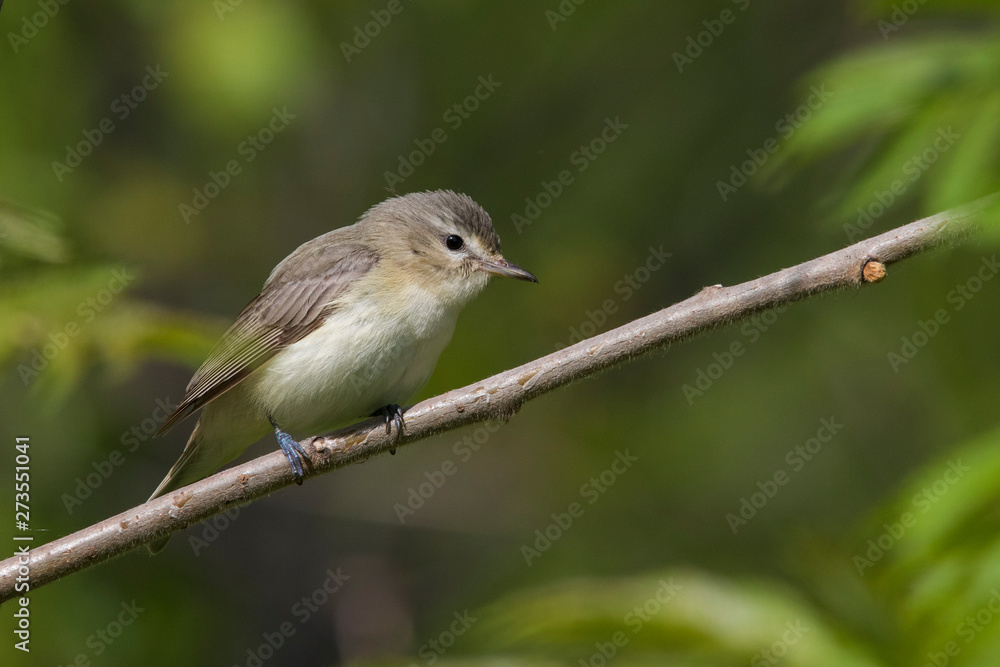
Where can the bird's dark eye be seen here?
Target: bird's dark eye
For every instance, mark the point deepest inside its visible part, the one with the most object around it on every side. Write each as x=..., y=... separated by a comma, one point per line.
x=454, y=242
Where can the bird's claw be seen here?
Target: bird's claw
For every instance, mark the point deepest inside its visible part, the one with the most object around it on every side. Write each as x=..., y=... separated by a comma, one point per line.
x=393, y=415
x=293, y=452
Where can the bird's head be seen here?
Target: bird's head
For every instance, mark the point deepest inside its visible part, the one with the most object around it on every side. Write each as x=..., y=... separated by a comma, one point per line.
x=443, y=240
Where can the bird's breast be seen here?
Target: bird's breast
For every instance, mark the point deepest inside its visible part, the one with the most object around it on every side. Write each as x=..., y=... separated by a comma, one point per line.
x=366, y=354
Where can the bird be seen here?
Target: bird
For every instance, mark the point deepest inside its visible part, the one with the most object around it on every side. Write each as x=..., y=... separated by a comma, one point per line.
x=348, y=326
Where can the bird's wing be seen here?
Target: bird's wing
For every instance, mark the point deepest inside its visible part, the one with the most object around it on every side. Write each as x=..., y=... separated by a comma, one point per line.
x=287, y=309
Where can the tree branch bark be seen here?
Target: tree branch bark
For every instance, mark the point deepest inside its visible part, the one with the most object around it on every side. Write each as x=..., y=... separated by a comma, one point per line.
x=497, y=397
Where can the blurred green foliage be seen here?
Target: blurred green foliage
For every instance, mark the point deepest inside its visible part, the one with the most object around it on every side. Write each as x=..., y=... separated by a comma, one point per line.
x=899, y=109
x=879, y=550
x=919, y=580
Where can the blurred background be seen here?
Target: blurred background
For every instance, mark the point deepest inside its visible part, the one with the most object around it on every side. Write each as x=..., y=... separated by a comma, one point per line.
x=817, y=486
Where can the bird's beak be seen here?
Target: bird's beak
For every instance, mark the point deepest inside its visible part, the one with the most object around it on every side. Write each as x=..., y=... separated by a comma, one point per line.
x=502, y=267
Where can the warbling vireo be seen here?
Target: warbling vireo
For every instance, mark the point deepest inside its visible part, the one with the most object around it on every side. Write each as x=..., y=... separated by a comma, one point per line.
x=348, y=326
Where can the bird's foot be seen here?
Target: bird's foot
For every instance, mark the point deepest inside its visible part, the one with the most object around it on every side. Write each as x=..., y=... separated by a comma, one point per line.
x=293, y=451
x=393, y=415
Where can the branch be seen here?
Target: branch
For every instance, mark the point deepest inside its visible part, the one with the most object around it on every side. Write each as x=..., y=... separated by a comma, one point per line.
x=497, y=397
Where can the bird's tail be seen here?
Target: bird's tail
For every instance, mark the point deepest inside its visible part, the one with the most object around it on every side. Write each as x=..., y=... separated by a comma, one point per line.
x=190, y=467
